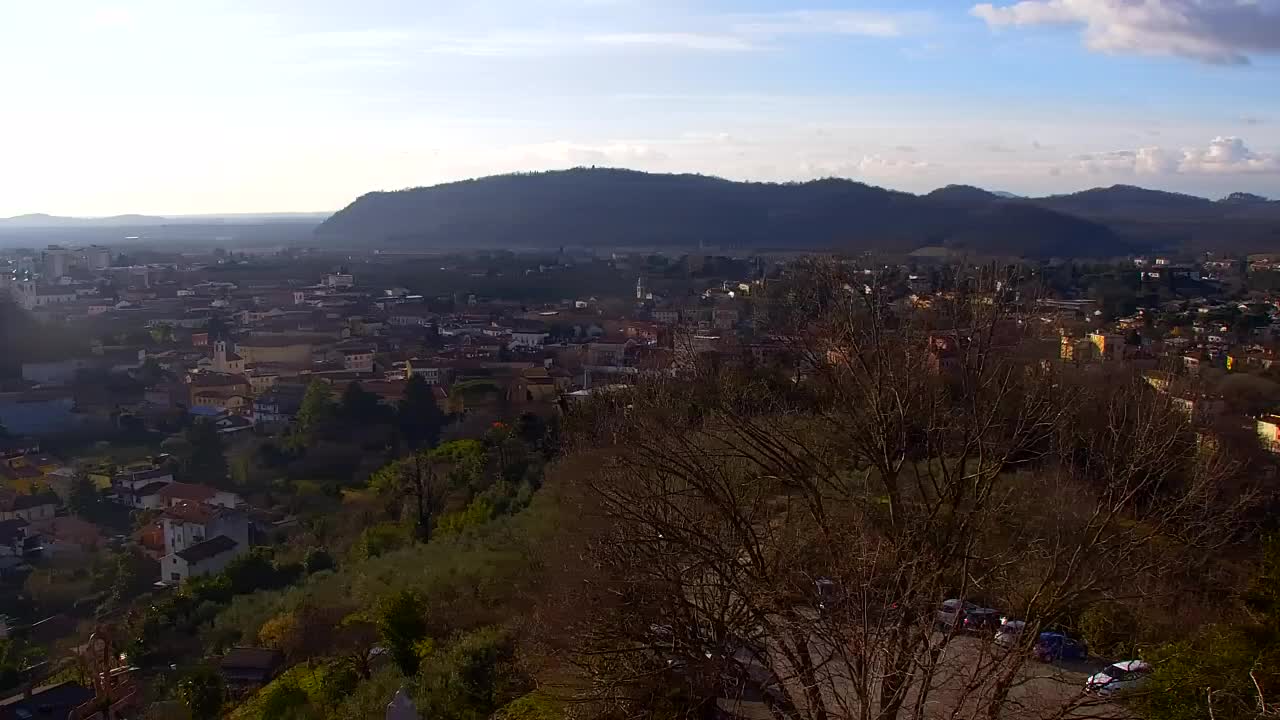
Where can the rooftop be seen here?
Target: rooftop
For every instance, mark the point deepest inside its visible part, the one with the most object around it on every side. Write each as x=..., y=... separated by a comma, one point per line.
x=209, y=548
x=187, y=491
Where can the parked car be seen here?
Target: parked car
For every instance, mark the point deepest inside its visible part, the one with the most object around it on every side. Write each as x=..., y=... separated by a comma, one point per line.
x=1051, y=646
x=828, y=594
x=1124, y=675
x=964, y=615
x=1009, y=632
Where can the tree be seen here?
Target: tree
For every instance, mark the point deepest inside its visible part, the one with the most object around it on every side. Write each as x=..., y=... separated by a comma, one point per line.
x=355, y=638
x=134, y=573
x=927, y=455
x=282, y=632
x=377, y=540
x=314, y=413
x=415, y=478
x=207, y=462
x=420, y=417
x=1231, y=671
x=162, y=334
x=203, y=692
x=359, y=408
x=252, y=571
x=402, y=626
x=84, y=499
x=317, y=559
x=15, y=657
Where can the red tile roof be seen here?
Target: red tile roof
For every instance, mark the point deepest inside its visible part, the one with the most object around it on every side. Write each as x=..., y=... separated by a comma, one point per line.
x=187, y=491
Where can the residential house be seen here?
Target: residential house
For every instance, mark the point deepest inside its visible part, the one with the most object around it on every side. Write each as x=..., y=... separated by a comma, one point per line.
x=279, y=405
x=225, y=384
x=602, y=353
x=31, y=508
x=409, y=316
x=434, y=371
x=146, y=497
x=180, y=493
x=220, y=402
x=669, y=316
x=201, y=539
x=1106, y=346
x=233, y=424
x=358, y=360
x=134, y=477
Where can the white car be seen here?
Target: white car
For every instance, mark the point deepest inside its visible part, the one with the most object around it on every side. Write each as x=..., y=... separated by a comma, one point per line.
x=1124, y=675
x=1010, y=630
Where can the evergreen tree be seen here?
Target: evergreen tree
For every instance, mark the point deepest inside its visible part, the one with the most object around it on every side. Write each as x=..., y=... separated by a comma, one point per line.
x=420, y=417
x=316, y=411
x=207, y=463
x=402, y=625
x=84, y=497
x=360, y=408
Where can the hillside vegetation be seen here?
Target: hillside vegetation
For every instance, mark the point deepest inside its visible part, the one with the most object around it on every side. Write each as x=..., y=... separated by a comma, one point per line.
x=623, y=208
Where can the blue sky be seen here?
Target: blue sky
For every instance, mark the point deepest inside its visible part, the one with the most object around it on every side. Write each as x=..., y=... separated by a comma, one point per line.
x=255, y=105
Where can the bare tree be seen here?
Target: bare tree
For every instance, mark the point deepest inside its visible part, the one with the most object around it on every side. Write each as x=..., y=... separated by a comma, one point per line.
x=417, y=479
x=784, y=542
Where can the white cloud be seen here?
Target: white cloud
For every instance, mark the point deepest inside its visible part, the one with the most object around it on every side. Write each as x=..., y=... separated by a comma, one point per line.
x=563, y=153
x=869, y=166
x=681, y=40
x=833, y=22
x=735, y=32
x=1223, y=32
x=1223, y=155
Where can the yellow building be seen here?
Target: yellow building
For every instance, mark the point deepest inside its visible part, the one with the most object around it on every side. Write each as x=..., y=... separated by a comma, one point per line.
x=1107, y=347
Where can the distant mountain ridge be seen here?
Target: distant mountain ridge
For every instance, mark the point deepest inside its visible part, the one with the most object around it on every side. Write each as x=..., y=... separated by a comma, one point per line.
x=42, y=220
x=625, y=208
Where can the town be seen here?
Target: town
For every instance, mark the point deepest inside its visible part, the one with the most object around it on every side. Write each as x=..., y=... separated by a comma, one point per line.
x=181, y=432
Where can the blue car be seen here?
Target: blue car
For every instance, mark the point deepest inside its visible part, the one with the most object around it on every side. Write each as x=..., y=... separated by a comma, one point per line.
x=1053, y=646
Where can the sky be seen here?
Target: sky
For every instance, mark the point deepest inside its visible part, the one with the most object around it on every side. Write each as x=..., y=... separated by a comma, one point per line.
x=208, y=106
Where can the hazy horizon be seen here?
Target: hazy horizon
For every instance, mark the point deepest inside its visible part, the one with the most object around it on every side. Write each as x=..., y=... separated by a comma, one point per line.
x=325, y=213
x=144, y=107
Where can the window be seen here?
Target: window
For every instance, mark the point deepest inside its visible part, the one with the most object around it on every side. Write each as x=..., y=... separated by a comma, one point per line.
x=176, y=577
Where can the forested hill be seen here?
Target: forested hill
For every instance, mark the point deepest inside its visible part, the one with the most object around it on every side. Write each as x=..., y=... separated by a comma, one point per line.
x=623, y=208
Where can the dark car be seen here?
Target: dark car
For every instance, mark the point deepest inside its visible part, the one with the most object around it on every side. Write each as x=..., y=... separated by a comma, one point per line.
x=1053, y=646
x=966, y=616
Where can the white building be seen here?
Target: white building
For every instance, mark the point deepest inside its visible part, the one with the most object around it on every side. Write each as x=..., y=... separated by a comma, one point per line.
x=358, y=360
x=201, y=539
x=529, y=339
x=207, y=558
x=31, y=296
x=339, y=280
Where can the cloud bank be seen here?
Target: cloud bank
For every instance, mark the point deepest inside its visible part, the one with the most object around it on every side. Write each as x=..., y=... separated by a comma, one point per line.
x=1223, y=155
x=1223, y=32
